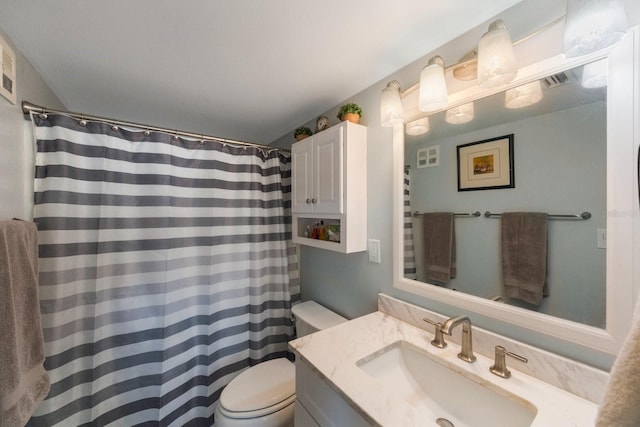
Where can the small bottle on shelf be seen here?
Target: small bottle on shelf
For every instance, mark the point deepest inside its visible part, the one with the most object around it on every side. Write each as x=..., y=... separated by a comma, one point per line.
x=322, y=232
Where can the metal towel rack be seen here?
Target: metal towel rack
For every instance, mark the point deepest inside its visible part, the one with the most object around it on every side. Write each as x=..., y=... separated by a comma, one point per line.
x=470, y=214
x=487, y=214
x=582, y=216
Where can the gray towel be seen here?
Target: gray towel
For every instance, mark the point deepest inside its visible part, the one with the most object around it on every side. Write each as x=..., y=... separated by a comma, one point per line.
x=524, y=255
x=439, y=246
x=619, y=406
x=23, y=381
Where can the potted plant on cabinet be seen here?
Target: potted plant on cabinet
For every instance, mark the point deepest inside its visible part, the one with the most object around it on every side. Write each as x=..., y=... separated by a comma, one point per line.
x=350, y=112
x=301, y=133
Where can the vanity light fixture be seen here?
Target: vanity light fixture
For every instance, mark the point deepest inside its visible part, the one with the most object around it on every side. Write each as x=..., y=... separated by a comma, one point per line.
x=417, y=127
x=433, y=86
x=496, y=58
x=523, y=96
x=595, y=74
x=460, y=114
x=591, y=25
x=391, y=112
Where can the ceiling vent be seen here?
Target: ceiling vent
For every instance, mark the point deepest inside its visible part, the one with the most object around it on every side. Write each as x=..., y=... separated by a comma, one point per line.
x=8, y=66
x=555, y=80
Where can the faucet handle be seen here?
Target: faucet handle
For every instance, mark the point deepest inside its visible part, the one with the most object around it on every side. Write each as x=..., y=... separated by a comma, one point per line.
x=499, y=367
x=438, y=339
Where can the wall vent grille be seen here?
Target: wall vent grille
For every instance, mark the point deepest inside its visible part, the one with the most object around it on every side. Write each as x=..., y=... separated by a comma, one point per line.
x=556, y=79
x=8, y=67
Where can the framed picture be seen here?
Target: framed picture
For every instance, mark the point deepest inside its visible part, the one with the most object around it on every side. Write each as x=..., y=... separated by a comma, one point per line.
x=486, y=165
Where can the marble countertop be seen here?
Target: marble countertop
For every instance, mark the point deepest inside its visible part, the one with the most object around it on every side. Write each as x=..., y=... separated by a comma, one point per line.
x=333, y=354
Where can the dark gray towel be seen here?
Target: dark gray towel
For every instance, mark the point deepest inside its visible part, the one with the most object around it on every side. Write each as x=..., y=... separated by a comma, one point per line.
x=524, y=255
x=439, y=246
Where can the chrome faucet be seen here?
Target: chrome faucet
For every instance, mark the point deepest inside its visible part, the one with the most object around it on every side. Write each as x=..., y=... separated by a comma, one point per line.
x=466, y=353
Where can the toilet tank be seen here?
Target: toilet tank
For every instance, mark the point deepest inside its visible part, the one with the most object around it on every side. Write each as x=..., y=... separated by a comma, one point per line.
x=312, y=317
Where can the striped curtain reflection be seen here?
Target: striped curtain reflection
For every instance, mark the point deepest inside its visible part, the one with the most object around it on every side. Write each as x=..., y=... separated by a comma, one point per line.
x=166, y=267
x=409, y=253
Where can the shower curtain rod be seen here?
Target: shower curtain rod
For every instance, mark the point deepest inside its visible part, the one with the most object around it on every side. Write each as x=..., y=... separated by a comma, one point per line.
x=28, y=107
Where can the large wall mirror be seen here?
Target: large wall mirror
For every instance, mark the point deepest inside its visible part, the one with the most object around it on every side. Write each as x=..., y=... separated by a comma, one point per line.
x=559, y=157
x=573, y=157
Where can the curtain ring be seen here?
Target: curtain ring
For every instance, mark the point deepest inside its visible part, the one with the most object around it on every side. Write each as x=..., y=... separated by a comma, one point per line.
x=82, y=121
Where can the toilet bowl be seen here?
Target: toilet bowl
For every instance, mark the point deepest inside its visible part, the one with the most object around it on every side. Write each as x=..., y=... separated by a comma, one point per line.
x=264, y=395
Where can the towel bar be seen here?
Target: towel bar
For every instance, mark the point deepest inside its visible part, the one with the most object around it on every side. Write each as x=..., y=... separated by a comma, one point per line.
x=470, y=214
x=582, y=216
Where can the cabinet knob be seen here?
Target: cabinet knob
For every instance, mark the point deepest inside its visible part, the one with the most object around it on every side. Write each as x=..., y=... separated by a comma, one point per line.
x=308, y=201
x=313, y=200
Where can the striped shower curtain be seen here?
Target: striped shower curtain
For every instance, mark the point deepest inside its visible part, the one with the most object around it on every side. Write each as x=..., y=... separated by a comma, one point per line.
x=409, y=253
x=166, y=267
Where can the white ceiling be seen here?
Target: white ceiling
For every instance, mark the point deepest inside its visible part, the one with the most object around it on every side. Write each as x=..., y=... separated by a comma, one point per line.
x=250, y=70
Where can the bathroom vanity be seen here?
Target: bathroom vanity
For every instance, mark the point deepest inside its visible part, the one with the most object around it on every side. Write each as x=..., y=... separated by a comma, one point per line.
x=386, y=372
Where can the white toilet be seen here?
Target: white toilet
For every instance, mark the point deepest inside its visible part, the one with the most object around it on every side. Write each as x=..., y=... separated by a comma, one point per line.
x=264, y=395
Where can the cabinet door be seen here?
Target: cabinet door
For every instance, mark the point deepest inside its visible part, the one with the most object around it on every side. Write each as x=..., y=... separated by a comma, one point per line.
x=301, y=176
x=323, y=404
x=327, y=166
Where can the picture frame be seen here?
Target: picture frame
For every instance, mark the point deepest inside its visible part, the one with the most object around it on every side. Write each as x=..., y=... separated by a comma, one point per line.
x=486, y=164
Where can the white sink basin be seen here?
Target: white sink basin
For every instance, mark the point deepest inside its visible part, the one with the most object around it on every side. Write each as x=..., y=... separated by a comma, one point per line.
x=453, y=397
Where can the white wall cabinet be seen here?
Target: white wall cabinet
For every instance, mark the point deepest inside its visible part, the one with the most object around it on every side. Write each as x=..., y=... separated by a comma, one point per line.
x=317, y=404
x=329, y=184
x=317, y=173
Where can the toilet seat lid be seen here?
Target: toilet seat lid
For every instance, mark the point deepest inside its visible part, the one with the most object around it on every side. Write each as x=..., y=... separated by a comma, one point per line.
x=261, y=386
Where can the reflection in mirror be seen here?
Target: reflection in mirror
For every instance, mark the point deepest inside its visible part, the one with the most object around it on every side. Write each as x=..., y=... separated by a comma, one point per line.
x=559, y=160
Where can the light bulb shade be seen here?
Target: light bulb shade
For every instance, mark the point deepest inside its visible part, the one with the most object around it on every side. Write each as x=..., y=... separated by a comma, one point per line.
x=523, y=96
x=391, y=113
x=417, y=127
x=460, y=114
x=433, y=86
x=591, y=25
x=496, y=58
x=595, y=74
